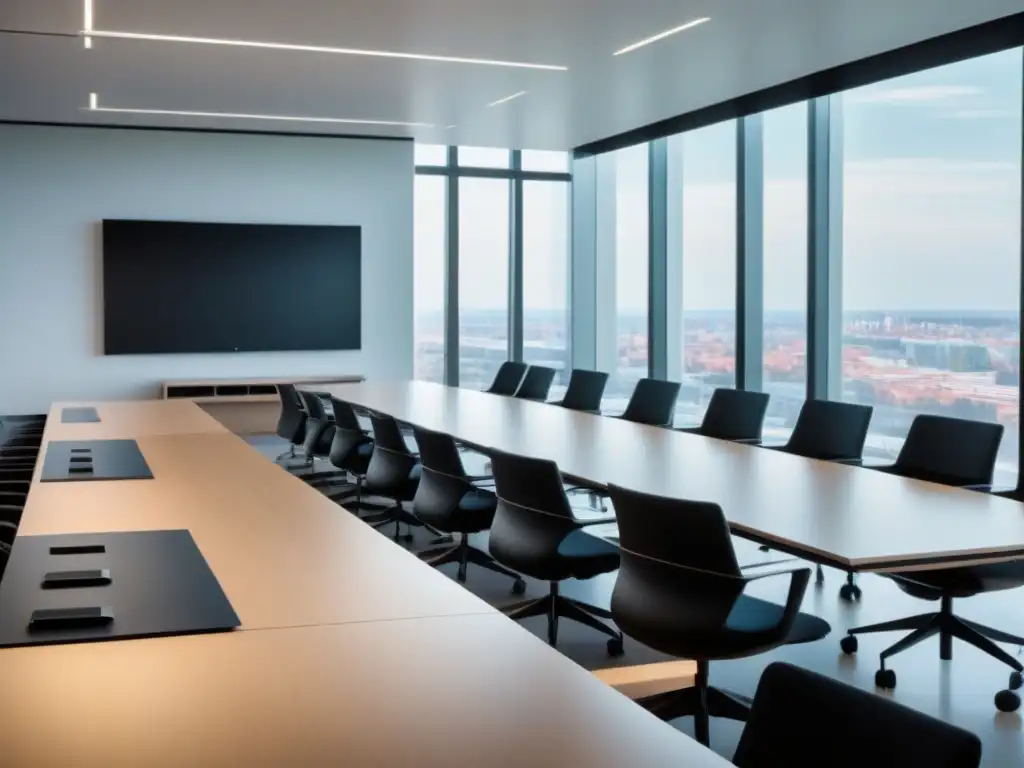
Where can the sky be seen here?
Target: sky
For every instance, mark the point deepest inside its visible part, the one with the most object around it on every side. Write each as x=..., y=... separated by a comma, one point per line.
x=931, y=207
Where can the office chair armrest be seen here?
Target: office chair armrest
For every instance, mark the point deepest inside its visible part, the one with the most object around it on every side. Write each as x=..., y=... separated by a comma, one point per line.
x=749, y=441
x=587, y=522
x=586, y=489
x=799, y=578
x=848, y=462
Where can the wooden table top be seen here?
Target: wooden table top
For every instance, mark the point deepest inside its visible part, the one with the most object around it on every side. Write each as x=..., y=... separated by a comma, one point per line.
x=284, y=554
x=352, y=652
x=848, y=516
x=132, y=419
x=425, y=693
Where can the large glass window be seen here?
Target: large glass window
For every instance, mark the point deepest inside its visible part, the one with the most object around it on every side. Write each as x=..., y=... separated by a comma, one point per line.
x=483, y=279
x=543, y=160
x=709, y=267
x=483, y=157
x=631, y=275
x=785, y=266
x=430, y=154
x=430, y=212
x=931, y=249
x=545, y=278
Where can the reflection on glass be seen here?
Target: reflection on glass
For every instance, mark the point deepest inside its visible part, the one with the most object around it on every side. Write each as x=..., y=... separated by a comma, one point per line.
x=709, y=267
x=483, y=280
x=785, y=267
x=931, y=250
x=429, y=215
x=545, y=278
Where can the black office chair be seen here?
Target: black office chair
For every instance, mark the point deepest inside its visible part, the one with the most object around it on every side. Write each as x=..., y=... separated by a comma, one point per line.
x=507, y=379
x=451, y=501
x=537, y=383
x=393, y=473
x=585, y=390
x=681, y=592
x=291, y=424
x=319, y=426
x=948, y=451
x=535, y=533
x=830, y=431
x=350, y=453
x=804, y=720
x=653, y=402
x=733, y=414
x=961, y=453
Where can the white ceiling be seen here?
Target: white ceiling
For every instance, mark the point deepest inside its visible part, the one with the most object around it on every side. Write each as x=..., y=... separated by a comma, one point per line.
x=748, y=45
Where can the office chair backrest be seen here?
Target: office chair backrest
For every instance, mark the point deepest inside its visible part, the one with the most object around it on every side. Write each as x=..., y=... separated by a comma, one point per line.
x=537, y=383
x=314, y=405
x=345, y=415
x=291, y=424
x=734, y=414
x=531, y=485
x=443, y=480
x=653, y=402
x=678, y=577
x=800, y=719
x=951, y=451
x=533, y=517
x=829, y=430
x=507, y=379
x=586, y=388
x=392, y=461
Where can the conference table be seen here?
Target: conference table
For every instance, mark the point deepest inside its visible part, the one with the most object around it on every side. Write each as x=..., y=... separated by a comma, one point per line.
x=351, y=651
x=848, y=517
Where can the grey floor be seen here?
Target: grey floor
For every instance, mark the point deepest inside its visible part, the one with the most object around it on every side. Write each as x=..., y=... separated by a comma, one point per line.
x=960, y=691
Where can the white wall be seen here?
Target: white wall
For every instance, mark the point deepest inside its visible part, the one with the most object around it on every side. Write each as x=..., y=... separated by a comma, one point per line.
x=58, y=184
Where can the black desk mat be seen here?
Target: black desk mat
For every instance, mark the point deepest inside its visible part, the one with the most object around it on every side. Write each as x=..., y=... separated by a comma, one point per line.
x=161, y=585
x=79, y=415
x=107, y=460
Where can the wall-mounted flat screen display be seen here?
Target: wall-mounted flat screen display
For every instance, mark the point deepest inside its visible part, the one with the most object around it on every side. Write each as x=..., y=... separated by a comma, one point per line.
x=181, y=287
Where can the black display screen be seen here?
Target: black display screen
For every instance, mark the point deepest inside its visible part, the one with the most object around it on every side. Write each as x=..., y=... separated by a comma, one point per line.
x=178, y=287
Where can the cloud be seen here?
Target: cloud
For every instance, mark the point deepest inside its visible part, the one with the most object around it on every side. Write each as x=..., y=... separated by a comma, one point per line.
x=921, y=94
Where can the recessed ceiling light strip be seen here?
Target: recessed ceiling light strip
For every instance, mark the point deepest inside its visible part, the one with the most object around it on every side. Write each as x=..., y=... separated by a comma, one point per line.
x=662, y=35
x=320, y=49
x=507, y=99
x=87, y=22
x=95, y=107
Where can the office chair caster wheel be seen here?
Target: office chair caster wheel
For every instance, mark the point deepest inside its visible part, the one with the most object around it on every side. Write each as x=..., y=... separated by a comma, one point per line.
x=886, y=678
x=849, y=644
x=1007, y=701
x=615, y=647
x=849, y=592
x=1016, y=681
x=518, y=587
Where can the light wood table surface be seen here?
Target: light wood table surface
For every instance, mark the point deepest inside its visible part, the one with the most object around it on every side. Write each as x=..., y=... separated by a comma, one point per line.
x=850, y=517
x=132, y=419
x=352, y=651
x=454, y=692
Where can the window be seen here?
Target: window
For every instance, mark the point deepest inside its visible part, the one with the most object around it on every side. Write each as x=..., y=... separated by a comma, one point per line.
x=931, y=249
x=785, y=267
x=540, y=160
x=631, y=254
x=430, y=212
x=709, y=267
x=483, y=157
x=430, y=154
x=545, y=278
x=483, y=279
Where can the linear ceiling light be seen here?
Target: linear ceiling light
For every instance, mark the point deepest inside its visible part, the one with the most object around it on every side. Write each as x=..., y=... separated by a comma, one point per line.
x=507, y=99
x=320, y=49
x=87, y=22
x=662, y=35
x=95, y=107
